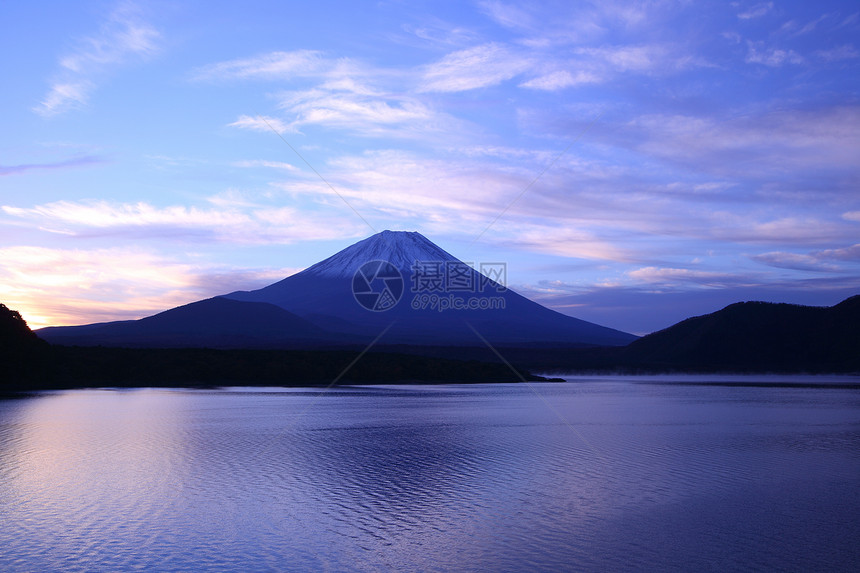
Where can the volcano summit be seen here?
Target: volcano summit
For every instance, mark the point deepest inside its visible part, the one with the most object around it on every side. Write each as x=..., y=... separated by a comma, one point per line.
x=396, y=286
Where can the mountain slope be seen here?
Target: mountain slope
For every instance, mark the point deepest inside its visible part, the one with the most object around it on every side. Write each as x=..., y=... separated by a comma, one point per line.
x=323, y=294
x=755, y=336
x=216, y=323
x=400, y=248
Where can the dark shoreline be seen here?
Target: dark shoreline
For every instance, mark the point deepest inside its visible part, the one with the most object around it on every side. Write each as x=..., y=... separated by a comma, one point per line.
x=65, y=367
x=50, y=367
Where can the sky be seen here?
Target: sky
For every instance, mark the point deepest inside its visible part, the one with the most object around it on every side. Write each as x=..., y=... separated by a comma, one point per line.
x=632, y=163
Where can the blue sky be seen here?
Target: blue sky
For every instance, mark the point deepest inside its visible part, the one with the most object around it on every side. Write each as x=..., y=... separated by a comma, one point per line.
x=634, y=163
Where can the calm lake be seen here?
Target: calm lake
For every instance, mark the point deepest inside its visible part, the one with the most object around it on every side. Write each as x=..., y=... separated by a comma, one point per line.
x=598, y=473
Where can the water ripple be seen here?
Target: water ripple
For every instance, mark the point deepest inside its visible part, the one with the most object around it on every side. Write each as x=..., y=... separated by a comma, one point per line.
x=615, y=476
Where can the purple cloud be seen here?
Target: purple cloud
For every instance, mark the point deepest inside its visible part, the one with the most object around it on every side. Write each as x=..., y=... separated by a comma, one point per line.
x=75, y=162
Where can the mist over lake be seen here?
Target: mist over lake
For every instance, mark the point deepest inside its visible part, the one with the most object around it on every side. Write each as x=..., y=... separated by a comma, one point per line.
x=593, y=474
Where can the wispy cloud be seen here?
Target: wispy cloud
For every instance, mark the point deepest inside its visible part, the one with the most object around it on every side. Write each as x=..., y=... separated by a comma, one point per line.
x=758, y=228
x=758, y=53
x=640, y=58
x=541, y=25
x=566, y=241
x=77, y=286
x=667, y=276
x=261, y=123
x=69, y=286
x=814, y=261
x=810, y=26
x=362, y=111
x=439, y=32
x=63, y=96
x=575, y=210
x=844, y=52
x=264, y=163
x=603, y=64
x=342, y=94
x=238, y=222
x=124, y=35
x=271, y=66
x=756, y=11
x=455, y=196
x=473, y=68
x=64, y=164
x=752, y=143
x=403, y=102
x=560, y=80
x=507, y=14
x=103, y=214
x=795, y=261
x=851, y=253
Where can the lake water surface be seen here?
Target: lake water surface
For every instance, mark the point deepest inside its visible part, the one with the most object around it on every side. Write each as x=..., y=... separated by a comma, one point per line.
x=600, y=473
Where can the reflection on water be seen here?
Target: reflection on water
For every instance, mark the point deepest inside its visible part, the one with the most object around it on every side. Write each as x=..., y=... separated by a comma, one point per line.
x=612, y=473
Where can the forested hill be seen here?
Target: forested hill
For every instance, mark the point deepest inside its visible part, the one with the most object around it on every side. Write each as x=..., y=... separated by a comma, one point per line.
x=757, y=336
x=21, y=351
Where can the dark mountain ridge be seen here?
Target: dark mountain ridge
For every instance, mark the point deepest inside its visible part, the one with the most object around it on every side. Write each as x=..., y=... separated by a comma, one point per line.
x=14, y=331
x=21, y=350
x=211, y=323
x=759, y=336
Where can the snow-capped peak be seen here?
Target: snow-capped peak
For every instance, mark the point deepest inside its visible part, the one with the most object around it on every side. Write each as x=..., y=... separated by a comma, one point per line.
x=400, y=248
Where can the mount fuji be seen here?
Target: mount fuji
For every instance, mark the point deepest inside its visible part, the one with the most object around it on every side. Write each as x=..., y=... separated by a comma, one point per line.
x=395, y=287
